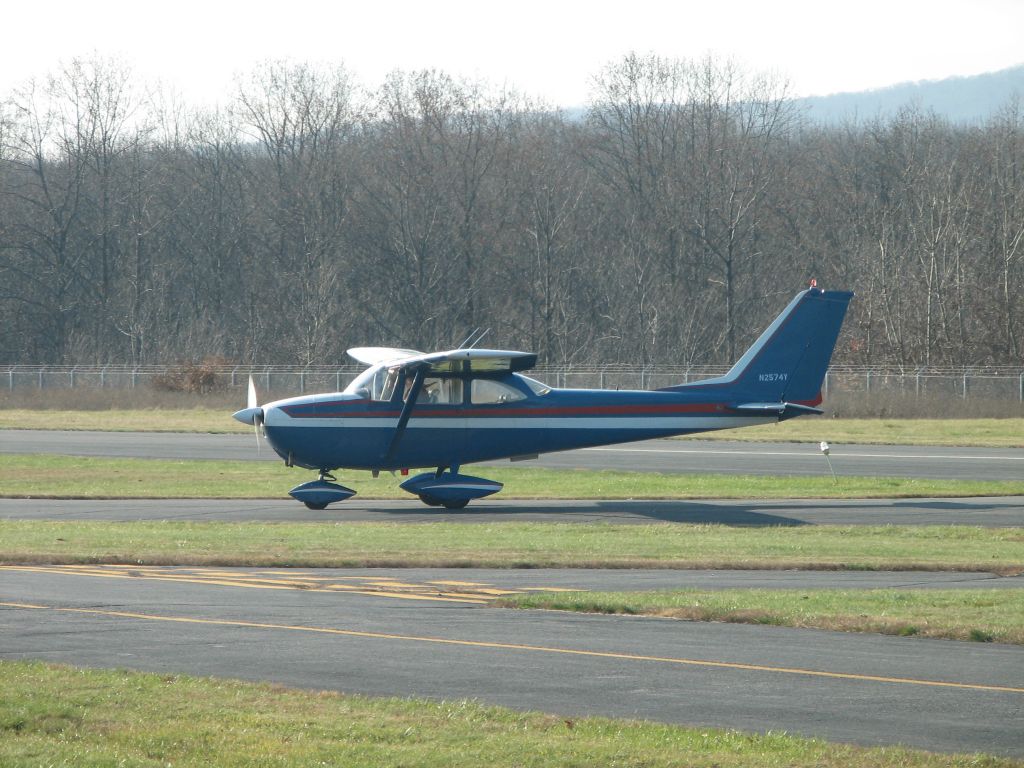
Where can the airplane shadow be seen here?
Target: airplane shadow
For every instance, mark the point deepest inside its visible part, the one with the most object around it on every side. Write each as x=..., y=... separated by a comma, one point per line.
x=735, y=513
x=601, y=511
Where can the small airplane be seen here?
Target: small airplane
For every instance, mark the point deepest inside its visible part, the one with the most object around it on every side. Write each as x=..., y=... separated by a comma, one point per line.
x=444, y=410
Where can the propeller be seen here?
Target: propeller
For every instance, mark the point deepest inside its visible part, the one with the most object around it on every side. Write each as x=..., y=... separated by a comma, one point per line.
x=252, y=413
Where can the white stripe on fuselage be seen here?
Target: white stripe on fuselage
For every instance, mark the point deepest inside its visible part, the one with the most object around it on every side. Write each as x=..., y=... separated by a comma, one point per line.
x=528, y=422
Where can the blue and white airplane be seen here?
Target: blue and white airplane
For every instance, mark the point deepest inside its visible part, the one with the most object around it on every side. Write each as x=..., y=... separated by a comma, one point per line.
x=444, y=410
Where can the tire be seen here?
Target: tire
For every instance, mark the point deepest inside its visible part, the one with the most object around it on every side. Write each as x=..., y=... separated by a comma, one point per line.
x=456, y=504
x=430, y=501
x=317, y=507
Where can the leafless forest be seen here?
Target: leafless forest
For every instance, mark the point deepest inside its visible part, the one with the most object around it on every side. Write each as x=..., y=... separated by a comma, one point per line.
x=665, y=223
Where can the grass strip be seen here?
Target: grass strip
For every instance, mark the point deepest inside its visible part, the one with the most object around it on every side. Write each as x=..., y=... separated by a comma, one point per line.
x=63, y=716
x=48, y=476
x=981, y=615
x=976, y=433
x=983, y=433
x=208, y=420
x=514, y=545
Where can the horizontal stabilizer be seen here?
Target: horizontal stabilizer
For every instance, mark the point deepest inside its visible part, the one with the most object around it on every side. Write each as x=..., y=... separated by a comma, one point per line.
x=783, y=410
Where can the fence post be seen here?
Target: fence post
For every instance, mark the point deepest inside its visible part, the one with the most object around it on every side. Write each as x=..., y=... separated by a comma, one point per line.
x=867, y=382
x=826, y=385
x=10, y=380
x=72, y=376
x=135, y=377
x=965, y=386
x=41, y=376
x=1020, y=385
x=302, y=381
x=233, y=375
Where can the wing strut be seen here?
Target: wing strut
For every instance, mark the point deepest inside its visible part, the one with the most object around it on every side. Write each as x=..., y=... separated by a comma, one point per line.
x=410, y=401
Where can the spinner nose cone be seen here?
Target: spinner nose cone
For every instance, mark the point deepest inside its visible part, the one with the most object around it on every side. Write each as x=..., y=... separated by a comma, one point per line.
x=252, y=416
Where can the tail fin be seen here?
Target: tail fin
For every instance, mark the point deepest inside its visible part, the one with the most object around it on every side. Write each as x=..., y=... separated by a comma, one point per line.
x=788, y=361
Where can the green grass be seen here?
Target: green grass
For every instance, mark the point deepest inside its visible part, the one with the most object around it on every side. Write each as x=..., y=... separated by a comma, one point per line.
x=514, y=545
x=980, y=433
x=985, y=615
x=211, y=420
x=62, y=716
x=79, y=477
x=1006, y=433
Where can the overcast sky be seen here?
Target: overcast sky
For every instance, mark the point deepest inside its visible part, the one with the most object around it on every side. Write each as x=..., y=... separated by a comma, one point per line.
x=546, y=48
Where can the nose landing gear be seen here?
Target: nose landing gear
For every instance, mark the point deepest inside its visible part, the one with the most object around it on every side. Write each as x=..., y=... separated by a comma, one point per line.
x=318, y=493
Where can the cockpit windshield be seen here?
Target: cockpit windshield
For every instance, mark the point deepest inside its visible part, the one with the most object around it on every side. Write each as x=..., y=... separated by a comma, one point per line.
x=374, y=384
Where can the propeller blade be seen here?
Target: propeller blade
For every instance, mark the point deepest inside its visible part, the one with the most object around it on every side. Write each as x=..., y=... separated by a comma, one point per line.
x=252, y=413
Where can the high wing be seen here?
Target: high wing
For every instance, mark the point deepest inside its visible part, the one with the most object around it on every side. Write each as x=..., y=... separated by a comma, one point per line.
x=477, y=361
x=375, y=355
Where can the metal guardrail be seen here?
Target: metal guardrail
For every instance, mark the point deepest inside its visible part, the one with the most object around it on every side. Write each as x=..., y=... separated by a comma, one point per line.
x=993, y=382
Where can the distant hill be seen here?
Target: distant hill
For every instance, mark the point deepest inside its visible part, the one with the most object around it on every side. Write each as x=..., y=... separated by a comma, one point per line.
x=960, y=99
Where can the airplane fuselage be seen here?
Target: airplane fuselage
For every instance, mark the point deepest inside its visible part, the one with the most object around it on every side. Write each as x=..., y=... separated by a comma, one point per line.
x=344, y=430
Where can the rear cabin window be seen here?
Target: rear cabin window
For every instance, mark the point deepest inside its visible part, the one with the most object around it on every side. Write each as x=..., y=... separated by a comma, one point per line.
x=488, y=392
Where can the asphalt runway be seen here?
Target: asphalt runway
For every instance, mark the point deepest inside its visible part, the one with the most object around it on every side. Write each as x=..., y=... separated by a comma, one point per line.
x=433, y=633
x=698, y=456
x=994, y=512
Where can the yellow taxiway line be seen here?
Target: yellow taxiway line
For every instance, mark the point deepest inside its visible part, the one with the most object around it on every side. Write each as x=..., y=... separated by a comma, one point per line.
x=520, y=647
x=381, y=589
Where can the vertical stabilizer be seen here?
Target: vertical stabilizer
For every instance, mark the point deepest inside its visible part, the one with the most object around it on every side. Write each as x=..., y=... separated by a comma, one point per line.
x=788, y=361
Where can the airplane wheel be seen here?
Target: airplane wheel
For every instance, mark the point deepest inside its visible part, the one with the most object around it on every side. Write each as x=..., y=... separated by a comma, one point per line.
x=317, y=507
x=456, y=504
x=430, y=501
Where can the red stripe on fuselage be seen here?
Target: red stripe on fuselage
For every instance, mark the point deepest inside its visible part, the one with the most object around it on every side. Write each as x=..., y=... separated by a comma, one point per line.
x=661, y=409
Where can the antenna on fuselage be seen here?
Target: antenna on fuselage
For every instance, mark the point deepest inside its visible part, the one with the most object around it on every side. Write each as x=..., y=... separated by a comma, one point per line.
x=474, y=338
x=479, y=338
x=472, y=333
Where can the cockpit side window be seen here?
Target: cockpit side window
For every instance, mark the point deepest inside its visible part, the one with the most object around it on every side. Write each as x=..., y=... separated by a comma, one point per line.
x=438, y=391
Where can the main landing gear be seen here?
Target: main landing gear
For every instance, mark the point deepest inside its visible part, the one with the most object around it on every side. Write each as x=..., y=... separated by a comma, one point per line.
x=449, y=489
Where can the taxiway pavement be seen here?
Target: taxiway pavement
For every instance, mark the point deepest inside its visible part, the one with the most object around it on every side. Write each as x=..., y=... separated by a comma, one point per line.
x=378, y=632
x=994, y=512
